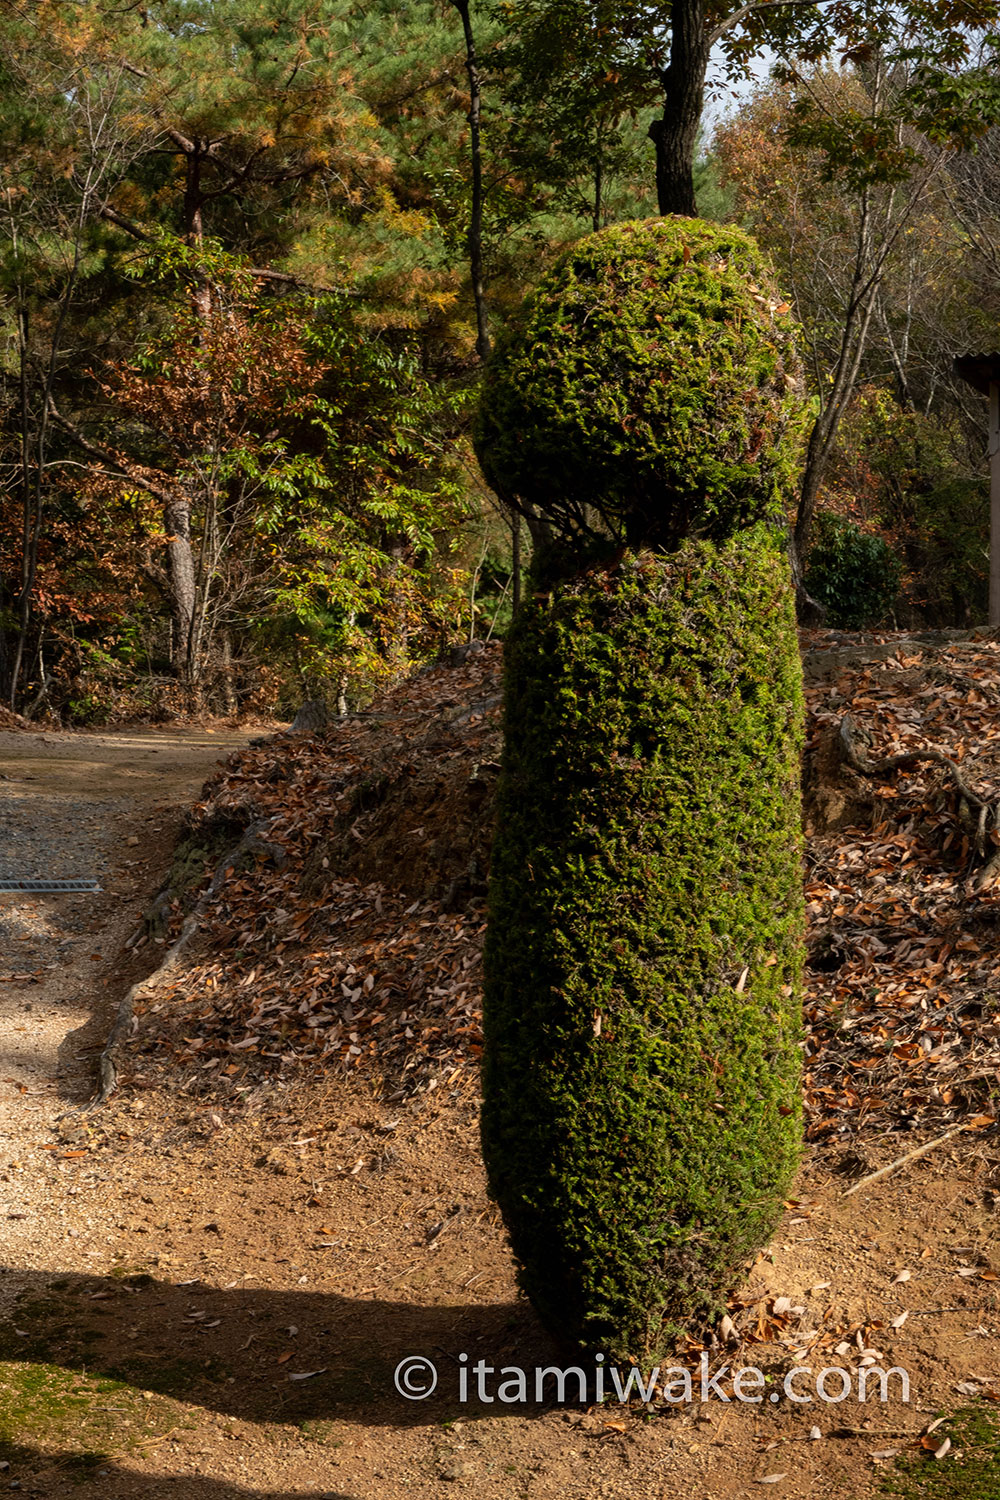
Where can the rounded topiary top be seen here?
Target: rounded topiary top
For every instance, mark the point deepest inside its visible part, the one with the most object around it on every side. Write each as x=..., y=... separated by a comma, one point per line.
x=653, y=381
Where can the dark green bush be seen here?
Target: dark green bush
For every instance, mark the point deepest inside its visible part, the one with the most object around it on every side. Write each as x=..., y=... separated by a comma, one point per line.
x=641, y=1111
x=948, y=546
x=652, y=386
x=856, y=575
x=641, y=1114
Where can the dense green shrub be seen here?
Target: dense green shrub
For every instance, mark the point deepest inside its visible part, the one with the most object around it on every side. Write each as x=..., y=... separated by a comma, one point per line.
x=641, y=1114
x=855, y=574
x=929, y=488
x=948, y=545
x=652, y=383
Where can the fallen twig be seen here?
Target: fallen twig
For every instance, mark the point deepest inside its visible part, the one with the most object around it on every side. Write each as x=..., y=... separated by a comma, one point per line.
x=901, y=1161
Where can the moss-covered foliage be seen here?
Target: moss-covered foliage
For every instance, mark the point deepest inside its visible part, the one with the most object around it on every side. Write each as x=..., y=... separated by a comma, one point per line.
x=641, y=1114
x=641, y=1106
x=652, y=386
x=970, y=1472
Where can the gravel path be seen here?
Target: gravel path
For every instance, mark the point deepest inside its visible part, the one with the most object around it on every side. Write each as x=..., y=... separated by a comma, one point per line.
x=103, y=807
x=39, y=841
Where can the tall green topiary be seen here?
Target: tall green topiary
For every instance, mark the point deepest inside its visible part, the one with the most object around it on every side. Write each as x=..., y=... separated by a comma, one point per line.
x=652, y=383
x=641, y=1113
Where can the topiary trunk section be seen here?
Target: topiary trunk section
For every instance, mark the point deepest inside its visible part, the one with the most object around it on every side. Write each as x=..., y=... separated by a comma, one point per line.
x=641, y=1113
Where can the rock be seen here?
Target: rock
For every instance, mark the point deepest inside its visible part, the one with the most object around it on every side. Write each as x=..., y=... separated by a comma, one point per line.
x=833, y=796
x=157, y=918
x=460, y=654
x=312, y=716
x=276, y=1161
x=456, y=1468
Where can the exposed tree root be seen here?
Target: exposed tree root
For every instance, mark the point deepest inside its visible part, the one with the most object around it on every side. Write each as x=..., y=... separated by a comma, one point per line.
x=977, y=814
x=902, y=1161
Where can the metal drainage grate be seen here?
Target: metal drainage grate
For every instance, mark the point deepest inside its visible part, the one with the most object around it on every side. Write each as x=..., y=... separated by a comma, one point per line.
x=48, y=885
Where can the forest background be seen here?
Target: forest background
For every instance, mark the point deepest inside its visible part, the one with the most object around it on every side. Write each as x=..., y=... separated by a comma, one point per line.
x=255, y=253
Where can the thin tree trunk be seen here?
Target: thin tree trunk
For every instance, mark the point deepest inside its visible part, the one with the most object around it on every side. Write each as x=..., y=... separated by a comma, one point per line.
x=6, y=664
x=230, y=703
x=396, y=637
x=180, y=571
x=43, y=691
x=808, y=611
x=34, y=491
x=874, y=246
x=27, y=580
x=475, y=237
x=675, y=133
x=201, y=295
x=822, y=439
x=343, y=680
x=598, y=189
x=204, y=575
x=515, y=563
x=860, y=308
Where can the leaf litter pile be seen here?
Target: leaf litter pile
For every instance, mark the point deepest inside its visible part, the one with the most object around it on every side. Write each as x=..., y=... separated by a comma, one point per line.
x=348, y=932
x=902, y=1009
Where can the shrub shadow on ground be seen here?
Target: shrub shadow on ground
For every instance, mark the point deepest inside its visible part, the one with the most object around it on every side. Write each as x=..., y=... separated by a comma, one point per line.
x=113, y=1479
x=261, y=1355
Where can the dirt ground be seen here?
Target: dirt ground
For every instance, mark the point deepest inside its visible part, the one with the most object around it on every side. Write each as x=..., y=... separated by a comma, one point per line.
x=91, y=806
x=209, y=1298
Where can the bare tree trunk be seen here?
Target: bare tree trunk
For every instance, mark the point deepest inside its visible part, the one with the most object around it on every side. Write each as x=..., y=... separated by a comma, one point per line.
x=27, y=577
x=201, y=295
x=861, y=305
x=343, y=679
x=204, y=575
x=475, y=238
x=230, y=704
x=675, y=133
x=180, y=572
x=515, y=563
x=396, y=638
x=808, y=611
x=875, y=243
x=33, y=487
x=598, y=190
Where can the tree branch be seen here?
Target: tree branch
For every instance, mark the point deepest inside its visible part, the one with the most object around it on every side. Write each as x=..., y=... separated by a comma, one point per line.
x=749, y=10
x=105, y=211
x=120, y=468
